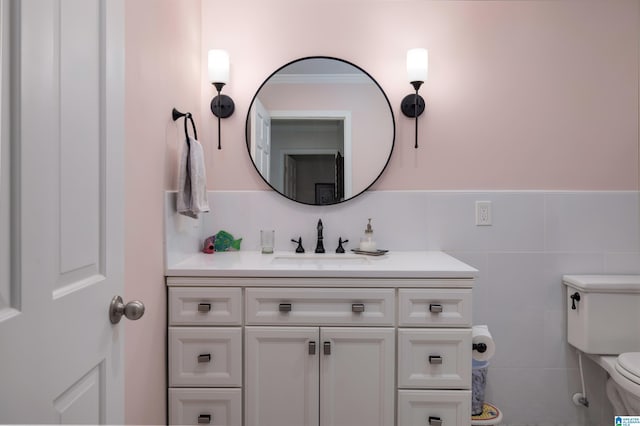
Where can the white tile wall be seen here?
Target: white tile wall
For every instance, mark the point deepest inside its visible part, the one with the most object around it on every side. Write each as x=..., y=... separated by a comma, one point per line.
x=536, y=237
x=600, y=221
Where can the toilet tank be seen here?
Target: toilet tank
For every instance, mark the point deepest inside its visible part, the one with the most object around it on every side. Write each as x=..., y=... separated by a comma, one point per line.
x=606, y=319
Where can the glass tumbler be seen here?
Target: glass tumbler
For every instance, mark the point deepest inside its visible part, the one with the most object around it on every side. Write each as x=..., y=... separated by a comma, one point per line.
x=267, y=238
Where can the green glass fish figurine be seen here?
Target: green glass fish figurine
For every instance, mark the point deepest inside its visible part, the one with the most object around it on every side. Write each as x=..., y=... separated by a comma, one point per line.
x=224, y=241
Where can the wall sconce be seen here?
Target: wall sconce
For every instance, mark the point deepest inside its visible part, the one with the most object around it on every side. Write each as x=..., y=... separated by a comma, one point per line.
x=222, y=106
x=417, y=70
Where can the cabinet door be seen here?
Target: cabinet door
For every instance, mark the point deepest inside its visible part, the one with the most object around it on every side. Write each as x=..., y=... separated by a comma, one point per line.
x=357, y=376
x=282, y=380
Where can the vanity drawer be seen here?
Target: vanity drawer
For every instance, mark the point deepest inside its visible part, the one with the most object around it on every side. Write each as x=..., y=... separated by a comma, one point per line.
x=434, y=358
x=205, y=356
x=205, y=306
x=433, y=307
x=430, y=407
x=205, y=407
x=320, y=306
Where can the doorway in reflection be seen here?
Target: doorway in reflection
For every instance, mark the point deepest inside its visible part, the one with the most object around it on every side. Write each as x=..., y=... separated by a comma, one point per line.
x=307, y=159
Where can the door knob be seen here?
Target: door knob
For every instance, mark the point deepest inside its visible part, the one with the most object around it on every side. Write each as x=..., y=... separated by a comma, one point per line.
x=132, y=310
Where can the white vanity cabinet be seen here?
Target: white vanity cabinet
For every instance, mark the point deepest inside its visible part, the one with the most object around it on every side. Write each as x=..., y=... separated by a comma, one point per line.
x=387, y=343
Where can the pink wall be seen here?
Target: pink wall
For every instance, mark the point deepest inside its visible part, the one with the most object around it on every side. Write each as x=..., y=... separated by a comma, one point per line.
x=162, y=71
x=521, y=95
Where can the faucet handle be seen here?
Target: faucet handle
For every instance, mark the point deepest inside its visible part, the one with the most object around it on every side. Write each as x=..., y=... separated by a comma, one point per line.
x=340, y=249
x=299, y=249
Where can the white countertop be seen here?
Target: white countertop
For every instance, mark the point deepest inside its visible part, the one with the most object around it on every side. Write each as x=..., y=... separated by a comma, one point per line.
x=397, y=264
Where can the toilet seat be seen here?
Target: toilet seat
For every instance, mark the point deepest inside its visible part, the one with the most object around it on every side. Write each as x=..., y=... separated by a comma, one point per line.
x=623, y=369
x=628, y=365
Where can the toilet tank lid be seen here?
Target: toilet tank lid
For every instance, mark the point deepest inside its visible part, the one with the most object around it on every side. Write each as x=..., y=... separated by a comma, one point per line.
x=604, y=283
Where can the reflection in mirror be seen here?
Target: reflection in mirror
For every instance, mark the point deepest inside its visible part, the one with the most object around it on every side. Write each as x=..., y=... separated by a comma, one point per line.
x=320, y=130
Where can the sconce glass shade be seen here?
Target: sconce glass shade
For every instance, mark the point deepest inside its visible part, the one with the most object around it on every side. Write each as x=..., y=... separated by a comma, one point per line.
x=417, y=64
x=218, y=66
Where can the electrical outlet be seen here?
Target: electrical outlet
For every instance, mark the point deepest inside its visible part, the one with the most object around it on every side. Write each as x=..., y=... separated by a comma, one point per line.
x=483, y=213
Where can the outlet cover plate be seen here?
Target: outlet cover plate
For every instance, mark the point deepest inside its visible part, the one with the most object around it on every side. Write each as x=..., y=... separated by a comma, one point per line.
x=483, y=213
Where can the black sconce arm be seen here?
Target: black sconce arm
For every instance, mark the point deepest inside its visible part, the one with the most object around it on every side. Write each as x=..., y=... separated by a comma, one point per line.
x=222, y=106
x=413, y=106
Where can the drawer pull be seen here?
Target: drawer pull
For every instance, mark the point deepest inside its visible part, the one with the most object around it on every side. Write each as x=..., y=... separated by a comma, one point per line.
x=204, y=419
x=204, y=358
x=285, y=307
x=435, y=421
x=204, y=307
x=435, y=359
x=357, y=307
x=312, y=348
x=327, y=348
x=435, y=308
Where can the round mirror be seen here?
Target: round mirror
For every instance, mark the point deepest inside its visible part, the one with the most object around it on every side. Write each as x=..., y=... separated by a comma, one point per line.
x=320, y=130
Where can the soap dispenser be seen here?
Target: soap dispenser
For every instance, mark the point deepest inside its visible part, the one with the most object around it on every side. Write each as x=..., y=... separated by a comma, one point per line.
x=367, y=243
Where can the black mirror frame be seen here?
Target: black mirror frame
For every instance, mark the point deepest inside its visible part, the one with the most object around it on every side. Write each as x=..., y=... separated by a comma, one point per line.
x=248, y=120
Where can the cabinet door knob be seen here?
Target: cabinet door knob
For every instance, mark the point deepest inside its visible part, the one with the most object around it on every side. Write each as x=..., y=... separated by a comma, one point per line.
x=357, y=307
x=327, y=348
x=204, y=358
x=204, y=307
x=435, y=421
x=435, y=359
x=435, y=308
x=204, y=419
x=284, y=307
x=312, y=348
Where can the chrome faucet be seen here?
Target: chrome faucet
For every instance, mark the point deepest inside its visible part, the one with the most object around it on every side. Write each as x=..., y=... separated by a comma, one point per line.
x=319, y=244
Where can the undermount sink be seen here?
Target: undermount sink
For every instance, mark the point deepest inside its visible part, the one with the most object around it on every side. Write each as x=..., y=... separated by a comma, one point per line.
x=319, y=260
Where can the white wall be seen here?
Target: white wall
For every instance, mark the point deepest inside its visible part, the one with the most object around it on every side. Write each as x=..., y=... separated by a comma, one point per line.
x=536, y=237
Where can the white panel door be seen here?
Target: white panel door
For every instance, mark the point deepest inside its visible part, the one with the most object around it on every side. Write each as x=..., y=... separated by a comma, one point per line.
x=60, y=357
x=281, y=385
x=261, y=138
x=357, y=376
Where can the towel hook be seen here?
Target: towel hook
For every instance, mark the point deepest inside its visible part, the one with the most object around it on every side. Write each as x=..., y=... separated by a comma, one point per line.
x=175, y=114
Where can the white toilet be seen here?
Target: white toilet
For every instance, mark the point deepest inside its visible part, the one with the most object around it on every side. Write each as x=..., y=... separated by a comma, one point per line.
x=603, y=321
